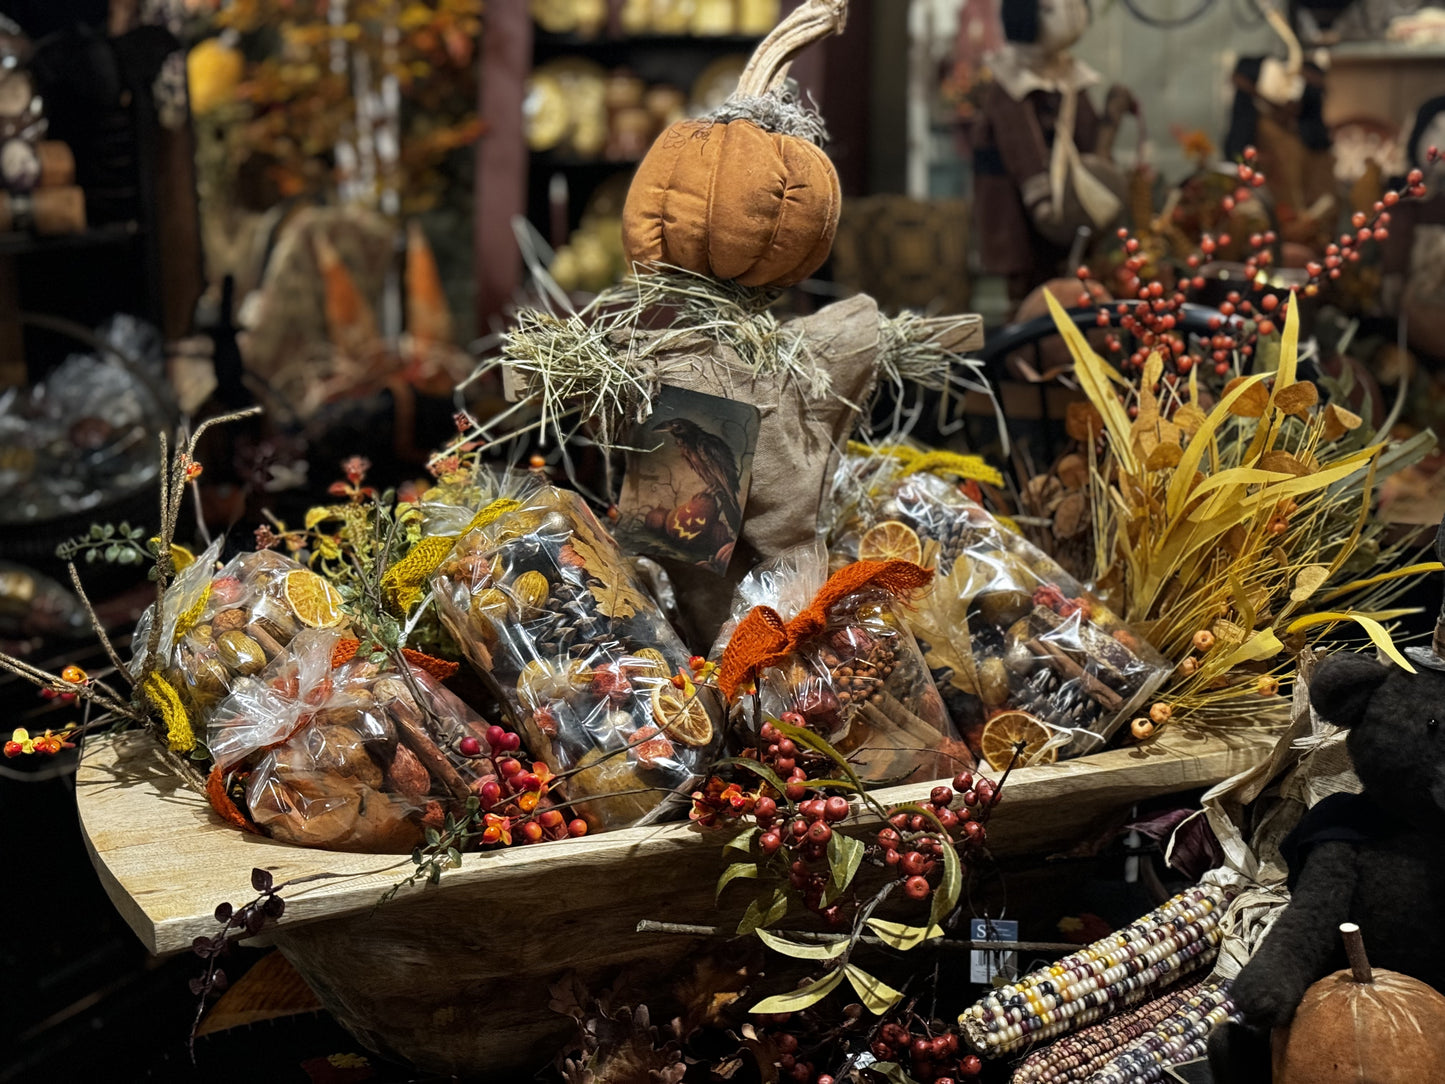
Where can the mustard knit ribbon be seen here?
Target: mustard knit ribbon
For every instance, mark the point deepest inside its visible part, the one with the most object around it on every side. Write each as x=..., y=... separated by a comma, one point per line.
x=403, y=581
x=933, y=461
x=165, y=699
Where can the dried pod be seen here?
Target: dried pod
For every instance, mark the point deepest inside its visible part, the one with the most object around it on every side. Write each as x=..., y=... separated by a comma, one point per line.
x=1003, y=608
x=1267, y=685
x=204, y=673
x=407, y=776
x=1073, y=471
x=1161, y=713
x=1019, y=659
x=389, y=689
x=340, y=749
x=1203, y=640
x=227, y=620
x=993, y=685
x=531, y=589
x=1072, y=518
x=1141, y=728
x=240, y=653
x=555, y=525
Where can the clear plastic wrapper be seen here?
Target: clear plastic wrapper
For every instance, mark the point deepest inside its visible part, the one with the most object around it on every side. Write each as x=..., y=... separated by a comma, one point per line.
x=1022, y=652
x=546, y=608
x=226, y=625
x=83, y=435
x=349, y=758
x=857, y=678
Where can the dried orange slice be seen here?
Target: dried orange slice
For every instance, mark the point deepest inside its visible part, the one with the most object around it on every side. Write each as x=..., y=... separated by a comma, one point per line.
x=890, y=541
x=685, y=720
x=312, y=599
x=1005, y=730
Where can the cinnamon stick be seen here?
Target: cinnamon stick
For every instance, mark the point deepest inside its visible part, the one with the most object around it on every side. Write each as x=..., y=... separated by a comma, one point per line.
x=414, y=736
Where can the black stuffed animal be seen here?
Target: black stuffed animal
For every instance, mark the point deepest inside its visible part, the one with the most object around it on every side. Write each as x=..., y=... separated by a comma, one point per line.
x=1376, y=858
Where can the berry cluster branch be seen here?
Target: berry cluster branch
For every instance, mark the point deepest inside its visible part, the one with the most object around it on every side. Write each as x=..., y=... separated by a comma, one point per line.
x=1154, y=318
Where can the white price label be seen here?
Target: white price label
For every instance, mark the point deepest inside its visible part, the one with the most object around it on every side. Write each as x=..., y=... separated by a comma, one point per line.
x=984, y=964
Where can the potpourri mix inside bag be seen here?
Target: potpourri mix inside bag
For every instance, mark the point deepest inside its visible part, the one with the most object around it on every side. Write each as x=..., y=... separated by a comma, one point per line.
x=836, y=651
x=352, y=757
x=1022, y=652
x=222, y=626
x=546, y=607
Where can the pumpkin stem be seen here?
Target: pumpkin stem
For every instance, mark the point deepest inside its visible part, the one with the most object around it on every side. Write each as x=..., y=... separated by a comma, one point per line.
x=1355, y=950
x=810, y=21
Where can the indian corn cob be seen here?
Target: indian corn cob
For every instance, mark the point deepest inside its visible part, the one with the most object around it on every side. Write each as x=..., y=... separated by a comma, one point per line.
x=1111, y=974
x=1183, y=1037
x=1075, y=1057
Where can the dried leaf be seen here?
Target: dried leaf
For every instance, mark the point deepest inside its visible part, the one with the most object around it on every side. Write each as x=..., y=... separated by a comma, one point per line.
x=797, y=1000
x=1308, y=580
x=1297, y=398
x=1073, y=471
x=1072, y=518
x=1096, y=377
x=903, y=937
x=1283, y=463
x=1164, y=457
x=877, y=996
x=1373, y=628
x=1424, y=569
x=1083, y=422
x=1264, y=644
x=1253, y=399
x=1200, y=444
x=1234, y=540
x=1338, y=422
x=1189, y=418
x=828, y=950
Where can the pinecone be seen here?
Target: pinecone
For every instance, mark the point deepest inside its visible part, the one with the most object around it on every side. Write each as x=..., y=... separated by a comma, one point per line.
x=1052, y=701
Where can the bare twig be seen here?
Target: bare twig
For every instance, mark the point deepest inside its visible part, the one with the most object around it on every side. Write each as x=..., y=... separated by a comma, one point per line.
x=814, y=937
x=95, y=621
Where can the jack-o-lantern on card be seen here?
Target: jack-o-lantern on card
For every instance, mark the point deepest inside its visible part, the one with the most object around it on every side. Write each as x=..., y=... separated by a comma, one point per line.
x=687, y=479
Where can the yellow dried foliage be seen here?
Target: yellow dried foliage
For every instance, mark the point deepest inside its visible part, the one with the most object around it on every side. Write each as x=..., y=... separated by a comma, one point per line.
x=1232, y=517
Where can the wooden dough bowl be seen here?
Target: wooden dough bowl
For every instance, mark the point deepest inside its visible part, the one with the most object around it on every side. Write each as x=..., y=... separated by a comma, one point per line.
x=454, y=977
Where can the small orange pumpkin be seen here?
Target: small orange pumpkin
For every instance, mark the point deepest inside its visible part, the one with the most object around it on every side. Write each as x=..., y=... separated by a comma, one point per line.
x=1363, y=1027
x=731, y=198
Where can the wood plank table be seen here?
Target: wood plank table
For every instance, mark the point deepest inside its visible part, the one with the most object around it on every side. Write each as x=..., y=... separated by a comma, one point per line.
x=455, y=977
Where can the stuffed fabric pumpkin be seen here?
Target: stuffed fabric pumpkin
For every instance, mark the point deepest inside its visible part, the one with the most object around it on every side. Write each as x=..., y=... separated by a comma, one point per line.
x=746, y=193
x=1361, y=1026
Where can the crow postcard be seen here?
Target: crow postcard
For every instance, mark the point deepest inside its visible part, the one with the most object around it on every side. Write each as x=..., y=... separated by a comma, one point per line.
x=687, y=483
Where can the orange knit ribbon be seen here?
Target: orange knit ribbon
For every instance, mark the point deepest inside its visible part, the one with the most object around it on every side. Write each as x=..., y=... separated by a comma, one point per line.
x=440, y=669
x=221, y=802
x=763, y=639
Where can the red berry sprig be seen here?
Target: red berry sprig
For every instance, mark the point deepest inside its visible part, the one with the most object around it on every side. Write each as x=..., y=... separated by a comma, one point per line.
x=910, y=843
x=930, y=1054
x=510, y=797
x=1154, y=317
